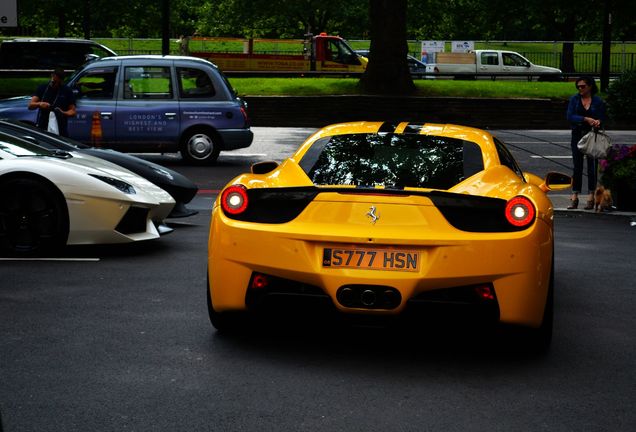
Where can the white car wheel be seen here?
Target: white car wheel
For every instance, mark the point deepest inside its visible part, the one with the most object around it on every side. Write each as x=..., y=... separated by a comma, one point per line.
x=33, y=217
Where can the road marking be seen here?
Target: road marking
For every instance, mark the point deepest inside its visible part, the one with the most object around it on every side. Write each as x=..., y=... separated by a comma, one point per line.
x=52, y=259
x=551, y=157
x=537, y=142
x=245, y=154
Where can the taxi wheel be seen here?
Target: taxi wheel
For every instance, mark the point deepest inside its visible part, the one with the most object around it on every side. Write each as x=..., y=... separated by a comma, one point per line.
x=200, y=147
x=33, y=217
x=225, y=322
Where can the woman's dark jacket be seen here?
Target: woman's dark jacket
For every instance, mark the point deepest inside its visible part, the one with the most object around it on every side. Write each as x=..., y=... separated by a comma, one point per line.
x=576, y=112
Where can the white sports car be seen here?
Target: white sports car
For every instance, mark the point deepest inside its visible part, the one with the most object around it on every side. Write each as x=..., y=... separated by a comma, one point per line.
x=49, y=199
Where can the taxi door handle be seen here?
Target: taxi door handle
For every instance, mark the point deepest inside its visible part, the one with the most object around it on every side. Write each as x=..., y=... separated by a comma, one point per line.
x=170, y=115
x=106, y=115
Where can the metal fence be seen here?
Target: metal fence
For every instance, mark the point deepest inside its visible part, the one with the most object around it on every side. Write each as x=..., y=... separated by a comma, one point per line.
x=587, y=55
x=585, y=62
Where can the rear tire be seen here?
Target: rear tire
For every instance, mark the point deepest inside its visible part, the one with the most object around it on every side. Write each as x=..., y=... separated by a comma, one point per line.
x=33, y=217
x=225, y=322
x=200, y=147
x=537, y=340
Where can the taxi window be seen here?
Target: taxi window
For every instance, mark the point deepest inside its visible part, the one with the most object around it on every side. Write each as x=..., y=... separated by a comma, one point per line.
x=147, y=82
x=97, y=83
x=194, y=83
x=392, y=160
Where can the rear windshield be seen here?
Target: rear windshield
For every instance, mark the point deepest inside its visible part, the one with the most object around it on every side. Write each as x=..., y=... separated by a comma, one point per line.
x=391, y=160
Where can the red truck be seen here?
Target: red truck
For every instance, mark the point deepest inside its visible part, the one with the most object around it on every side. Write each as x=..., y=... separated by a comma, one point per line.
x=321, y=53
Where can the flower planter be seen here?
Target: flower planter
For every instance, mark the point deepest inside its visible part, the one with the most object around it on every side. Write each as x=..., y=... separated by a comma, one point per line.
x=618, y=173
x=624, y=196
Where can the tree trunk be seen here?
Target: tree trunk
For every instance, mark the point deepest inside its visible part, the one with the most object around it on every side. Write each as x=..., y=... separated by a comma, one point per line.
x=388, y=71
x=567, y=58
x=86, y=23
x=61, y=23
x=568, y=32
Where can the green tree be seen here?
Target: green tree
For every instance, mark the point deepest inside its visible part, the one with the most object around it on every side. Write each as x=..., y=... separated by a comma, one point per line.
x=254, y=18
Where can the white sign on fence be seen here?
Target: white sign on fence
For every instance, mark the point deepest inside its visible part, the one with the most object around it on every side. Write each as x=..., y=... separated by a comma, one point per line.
x=8, y=13
x=462, y=46
x=430, y=48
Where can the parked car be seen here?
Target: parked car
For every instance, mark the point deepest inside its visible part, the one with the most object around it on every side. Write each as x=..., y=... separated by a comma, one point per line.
x=491, y=64
x=181, y=188
x=383, y=219
x=152, y=104
x=416, y=67
x=49, y=53
x=52, y=198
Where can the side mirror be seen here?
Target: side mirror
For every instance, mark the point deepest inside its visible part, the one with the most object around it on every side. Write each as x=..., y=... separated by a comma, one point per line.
x=264, y=167
x=556, y=181
x=90, y=58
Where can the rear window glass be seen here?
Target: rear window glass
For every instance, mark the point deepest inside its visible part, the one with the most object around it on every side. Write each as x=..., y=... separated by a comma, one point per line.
x=489, y=58
x=391, y=160
x=147, y=82
x=195, y=83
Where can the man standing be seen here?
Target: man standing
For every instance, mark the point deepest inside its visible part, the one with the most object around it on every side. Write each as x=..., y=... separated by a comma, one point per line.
x=54, y=97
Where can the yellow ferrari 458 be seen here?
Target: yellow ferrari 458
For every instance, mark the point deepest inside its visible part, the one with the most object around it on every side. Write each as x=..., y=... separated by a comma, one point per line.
x=378, y=218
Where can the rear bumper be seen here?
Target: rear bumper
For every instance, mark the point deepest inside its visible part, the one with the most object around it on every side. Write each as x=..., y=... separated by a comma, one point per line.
x=236, y=138
x=517, y=265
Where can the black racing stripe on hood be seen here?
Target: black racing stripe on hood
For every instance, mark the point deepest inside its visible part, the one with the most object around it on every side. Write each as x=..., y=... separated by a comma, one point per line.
x=388, y=127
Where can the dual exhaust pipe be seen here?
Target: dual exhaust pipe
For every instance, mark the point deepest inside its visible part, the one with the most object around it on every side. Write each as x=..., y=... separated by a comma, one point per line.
x=369, y=296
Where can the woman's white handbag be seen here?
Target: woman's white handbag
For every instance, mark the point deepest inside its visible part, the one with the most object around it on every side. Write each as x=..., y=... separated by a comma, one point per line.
x=595, y=143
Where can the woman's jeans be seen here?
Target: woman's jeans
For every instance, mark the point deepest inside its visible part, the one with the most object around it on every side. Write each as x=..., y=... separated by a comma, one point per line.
x=577, y=160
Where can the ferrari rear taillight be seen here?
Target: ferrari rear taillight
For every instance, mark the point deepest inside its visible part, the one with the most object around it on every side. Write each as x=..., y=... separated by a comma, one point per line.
x=520, y=211
x=234, y=199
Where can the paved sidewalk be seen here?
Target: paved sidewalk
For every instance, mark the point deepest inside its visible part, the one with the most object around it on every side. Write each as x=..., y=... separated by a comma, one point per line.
x=562, y=201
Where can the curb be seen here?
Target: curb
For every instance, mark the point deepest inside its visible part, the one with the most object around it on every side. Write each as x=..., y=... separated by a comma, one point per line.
x=615, y=214
x=560, y=202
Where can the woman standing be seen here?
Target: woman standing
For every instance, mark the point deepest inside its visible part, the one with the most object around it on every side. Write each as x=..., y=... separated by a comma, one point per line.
x=585, y=111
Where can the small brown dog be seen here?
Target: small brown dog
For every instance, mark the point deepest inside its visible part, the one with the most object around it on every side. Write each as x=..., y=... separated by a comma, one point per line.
x=602, y=199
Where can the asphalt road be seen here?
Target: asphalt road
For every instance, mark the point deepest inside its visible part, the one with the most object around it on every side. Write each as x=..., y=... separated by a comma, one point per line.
x=118, y=339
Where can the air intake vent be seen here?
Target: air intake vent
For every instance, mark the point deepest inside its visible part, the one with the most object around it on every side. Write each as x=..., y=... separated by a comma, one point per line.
x=134, y=221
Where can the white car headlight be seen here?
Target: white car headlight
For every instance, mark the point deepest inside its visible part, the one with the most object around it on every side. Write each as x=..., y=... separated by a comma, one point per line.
x=119, y=184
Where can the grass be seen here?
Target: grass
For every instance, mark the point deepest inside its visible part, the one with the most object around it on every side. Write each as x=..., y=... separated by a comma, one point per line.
x=431, y=88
